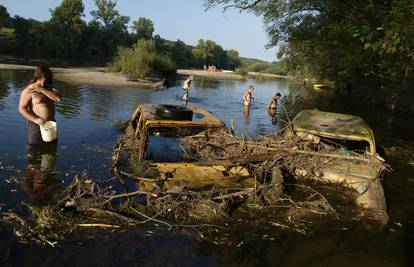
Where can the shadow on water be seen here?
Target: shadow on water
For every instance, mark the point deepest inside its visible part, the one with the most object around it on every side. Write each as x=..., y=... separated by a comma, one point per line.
x=86, y=135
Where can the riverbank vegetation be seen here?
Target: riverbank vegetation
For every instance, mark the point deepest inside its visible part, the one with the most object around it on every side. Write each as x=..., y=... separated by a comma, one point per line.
x=366, y=47
x=69, y=37
x=142, y=60
x=253, y=65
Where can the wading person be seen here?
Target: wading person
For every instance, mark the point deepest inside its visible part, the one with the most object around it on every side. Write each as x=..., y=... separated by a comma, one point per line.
x=186, y=87
x=273, y=103
x=37, y=103
x=247, y=97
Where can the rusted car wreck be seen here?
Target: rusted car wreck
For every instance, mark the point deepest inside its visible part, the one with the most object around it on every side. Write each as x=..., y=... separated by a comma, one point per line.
x=173, y=121
x=325, y=147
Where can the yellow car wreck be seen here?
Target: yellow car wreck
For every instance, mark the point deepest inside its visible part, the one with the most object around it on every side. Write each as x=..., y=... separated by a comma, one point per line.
x=153, y=120
x=349, y=156
x=351, y=135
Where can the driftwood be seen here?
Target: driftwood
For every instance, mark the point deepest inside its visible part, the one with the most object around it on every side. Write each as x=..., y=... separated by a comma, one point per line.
x=82, y=206
x=97, y=225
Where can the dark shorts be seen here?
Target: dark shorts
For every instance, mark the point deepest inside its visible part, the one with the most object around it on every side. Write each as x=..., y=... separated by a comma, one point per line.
x=34, y=137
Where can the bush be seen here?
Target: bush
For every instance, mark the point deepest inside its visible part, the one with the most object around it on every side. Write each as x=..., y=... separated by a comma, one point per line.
x=275, y=69
x=163, y=65
x=265, y=67
x=242, y=71
x=141, y=60
x=259, y=67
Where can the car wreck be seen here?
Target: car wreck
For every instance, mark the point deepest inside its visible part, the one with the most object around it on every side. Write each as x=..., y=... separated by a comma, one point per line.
x=151, y=120
x=321, y=147
x=180, y=167
x=352, y=136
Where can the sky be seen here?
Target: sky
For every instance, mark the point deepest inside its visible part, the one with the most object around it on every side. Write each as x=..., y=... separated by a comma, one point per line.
x=186, y=20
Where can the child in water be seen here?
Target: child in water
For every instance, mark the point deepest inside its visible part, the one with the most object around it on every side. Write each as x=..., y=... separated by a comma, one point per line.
x=273, y=103
x=247, y=97
x=186, y=87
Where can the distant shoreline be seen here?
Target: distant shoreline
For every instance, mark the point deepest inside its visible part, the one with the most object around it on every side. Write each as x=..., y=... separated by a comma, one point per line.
x=100, y=76
x=95, y=76
x=229, y=75
x=211, y=74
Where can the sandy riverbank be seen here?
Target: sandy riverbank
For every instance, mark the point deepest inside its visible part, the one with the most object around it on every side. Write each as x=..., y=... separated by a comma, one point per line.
x=100, y=76
x=86, y=76
x=211, y=74
x=229, y=75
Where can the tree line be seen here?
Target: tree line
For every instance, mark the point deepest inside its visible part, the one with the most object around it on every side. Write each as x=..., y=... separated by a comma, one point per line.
x=67, y=35
x=365, y=46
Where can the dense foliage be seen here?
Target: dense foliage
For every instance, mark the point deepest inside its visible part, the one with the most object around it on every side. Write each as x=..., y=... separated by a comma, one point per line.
x=67, y=35
x=365, y=46
x=251, y=65
x=143, y=60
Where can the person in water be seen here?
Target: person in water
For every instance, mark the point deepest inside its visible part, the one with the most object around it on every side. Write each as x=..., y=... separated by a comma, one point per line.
x=186, y=86
x=273, y=103
x=37, y=103
x=247, y=97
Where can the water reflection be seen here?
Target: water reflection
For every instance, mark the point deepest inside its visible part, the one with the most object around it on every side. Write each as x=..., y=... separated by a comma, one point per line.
x=204, y=83
x=246, y=114
x=272, y=115
x=85, y=116
x=72, y=100
x=39, y=179
x=6, y=78
x=100, y=103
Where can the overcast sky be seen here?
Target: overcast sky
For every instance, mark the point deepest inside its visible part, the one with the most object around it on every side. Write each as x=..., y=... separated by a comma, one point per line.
x=186, y=20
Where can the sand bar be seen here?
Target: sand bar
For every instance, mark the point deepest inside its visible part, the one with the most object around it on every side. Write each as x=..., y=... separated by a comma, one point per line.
x=95, y=76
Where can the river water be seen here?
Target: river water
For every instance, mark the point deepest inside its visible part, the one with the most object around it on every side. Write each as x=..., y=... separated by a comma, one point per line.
x=87, y=133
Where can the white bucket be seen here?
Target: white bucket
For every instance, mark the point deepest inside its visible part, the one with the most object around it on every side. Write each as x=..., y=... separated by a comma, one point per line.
x=49, y=131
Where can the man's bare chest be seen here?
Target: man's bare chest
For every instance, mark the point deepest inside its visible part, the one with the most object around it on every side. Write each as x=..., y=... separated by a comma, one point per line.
x=39, y=98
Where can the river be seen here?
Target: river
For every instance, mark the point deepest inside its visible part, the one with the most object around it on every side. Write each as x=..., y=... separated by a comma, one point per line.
x=87, y=133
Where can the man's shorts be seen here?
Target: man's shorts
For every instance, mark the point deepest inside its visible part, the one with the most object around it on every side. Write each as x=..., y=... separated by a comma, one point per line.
x=34, y=137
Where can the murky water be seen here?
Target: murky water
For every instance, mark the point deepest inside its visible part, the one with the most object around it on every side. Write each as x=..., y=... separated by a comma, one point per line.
x=87, y=133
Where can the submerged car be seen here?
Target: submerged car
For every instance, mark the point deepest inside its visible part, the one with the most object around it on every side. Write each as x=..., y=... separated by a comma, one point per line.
x=158, y=129
x=349, y=134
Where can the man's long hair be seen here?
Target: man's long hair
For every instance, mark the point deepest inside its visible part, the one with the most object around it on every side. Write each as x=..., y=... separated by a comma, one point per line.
x=43, y=71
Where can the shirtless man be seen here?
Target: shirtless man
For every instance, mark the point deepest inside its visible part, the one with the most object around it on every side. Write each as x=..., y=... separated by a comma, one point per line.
x=37, y=103
x=273, y=103
x=247, y=97
x=186, y=86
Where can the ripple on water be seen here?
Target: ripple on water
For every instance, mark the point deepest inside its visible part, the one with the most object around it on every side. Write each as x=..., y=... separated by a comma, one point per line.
x=85, y=117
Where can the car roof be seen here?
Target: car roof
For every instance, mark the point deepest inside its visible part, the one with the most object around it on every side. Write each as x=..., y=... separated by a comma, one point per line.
x=201, y=118
x=334, y=125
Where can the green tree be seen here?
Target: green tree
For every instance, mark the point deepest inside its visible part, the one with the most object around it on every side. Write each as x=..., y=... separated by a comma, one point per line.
x=27, y=33
x=108, y=17
x=106, y=13
x=4, y=17
x=181, y=54
x=109, y=27
x=143, y=28
x=7, y=34
x=200, y=53
x=69, y=26
x=209, y=53
x=365, y=46
x=233, y=59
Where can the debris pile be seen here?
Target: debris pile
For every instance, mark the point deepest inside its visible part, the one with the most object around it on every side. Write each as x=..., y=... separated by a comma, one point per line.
x=274, y=200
